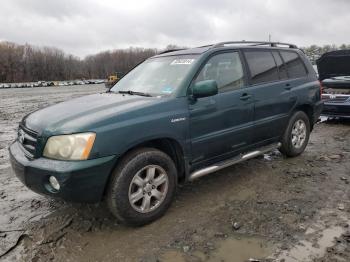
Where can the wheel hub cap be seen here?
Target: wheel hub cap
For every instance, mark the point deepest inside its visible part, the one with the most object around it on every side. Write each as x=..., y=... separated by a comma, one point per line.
x=148, y=188
x=298, y=134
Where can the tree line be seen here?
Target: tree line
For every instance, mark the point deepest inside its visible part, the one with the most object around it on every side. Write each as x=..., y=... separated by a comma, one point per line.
x=27, y=63
x=313, y=52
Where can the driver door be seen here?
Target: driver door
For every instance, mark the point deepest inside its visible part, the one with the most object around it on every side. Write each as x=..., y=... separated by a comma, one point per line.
x=221, y=125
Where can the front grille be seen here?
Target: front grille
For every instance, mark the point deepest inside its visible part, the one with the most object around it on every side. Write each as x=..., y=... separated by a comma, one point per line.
x=335, y=99
x=28, y=139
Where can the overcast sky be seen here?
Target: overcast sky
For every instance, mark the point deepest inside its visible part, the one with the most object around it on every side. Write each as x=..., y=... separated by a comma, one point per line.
x=82, y=27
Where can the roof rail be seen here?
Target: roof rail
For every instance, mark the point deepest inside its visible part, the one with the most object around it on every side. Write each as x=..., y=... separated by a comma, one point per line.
x=254, y=43
x=170, y=50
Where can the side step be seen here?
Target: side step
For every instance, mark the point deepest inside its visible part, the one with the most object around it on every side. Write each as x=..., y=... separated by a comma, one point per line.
x=240, y=158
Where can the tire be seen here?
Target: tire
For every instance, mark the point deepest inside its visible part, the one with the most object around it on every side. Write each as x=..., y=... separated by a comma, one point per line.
x=296, y=136
x=130, y=198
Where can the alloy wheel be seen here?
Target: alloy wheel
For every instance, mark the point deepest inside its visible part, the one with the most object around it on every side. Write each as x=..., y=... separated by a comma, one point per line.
x=298, y=134
x=148, y=188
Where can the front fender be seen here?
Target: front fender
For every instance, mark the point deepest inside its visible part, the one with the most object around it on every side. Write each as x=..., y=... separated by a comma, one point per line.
x=165, y=120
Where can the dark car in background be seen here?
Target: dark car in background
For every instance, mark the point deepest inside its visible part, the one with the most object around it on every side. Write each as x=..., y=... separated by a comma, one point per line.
x=334, y=74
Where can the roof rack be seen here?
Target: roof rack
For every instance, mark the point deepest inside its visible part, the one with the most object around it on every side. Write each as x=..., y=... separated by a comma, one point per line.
x=254, y=43
x=170, y=50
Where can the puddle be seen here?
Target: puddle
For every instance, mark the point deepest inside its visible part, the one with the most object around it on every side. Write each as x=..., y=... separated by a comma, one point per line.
x=306, y=250
x=227, y=250
x=172, y=256
x=238, y=250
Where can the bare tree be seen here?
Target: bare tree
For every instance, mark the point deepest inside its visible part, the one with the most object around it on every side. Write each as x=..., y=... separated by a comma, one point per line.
x=26, y=63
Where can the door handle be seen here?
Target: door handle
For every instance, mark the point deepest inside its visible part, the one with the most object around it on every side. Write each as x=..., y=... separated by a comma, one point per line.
x=288, y=87
x=245, y=96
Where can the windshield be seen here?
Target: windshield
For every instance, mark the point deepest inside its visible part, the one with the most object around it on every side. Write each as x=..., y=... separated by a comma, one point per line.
x=160, y=76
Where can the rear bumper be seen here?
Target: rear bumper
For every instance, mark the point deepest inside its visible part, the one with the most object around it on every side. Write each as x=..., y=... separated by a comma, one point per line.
x=81, y=181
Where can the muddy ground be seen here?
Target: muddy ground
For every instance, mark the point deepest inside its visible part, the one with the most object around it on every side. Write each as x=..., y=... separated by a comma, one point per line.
x=266, y=209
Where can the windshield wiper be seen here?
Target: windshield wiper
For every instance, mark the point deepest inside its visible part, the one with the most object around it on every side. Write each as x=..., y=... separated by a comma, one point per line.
x=129, y=92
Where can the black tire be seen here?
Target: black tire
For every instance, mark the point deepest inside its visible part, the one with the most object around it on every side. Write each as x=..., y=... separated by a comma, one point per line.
x=121, y=180
x=288, y=148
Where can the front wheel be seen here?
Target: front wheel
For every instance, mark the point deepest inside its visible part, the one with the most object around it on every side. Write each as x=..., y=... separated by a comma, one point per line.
x=296, y=136
x=142, y=186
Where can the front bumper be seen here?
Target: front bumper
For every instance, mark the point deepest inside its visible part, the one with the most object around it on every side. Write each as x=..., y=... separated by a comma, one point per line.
x=333, y=109
x=81, y=181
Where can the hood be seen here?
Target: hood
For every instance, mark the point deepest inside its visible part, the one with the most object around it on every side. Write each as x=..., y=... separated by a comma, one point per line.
x=84, y=112
x=333, y=64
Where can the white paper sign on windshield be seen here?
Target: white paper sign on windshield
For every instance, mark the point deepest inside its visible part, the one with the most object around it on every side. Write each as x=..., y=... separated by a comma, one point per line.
x=182, y=62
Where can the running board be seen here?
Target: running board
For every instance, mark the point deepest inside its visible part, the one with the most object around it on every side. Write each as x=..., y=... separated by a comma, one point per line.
x=240, y=158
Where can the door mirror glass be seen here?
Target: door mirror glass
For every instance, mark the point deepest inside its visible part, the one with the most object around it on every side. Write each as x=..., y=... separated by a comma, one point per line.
x=205, y=88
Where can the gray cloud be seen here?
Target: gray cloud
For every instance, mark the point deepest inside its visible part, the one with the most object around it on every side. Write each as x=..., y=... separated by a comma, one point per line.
x=82, y=27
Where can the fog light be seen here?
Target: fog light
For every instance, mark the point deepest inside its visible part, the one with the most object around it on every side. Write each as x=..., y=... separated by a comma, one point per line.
x=54, y=183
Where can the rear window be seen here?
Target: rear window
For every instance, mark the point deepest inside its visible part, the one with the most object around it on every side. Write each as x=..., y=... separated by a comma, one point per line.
x=262, y=66
x=294, y=64
x=280, y=65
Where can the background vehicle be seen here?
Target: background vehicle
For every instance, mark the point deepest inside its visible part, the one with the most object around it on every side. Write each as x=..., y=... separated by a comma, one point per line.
x=111, y=80
x=176, y=117
x=334, y=73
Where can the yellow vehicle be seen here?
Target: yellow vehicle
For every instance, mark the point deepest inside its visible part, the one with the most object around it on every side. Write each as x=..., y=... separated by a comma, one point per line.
x=111, y=80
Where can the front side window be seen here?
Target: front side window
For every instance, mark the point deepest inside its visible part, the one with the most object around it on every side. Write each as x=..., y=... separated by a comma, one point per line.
x=226, y=69
x=262, y=67
x=159, y=76
x=295, y=66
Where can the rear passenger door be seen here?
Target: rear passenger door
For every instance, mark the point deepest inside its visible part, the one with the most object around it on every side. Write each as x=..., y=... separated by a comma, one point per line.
x=271, y=89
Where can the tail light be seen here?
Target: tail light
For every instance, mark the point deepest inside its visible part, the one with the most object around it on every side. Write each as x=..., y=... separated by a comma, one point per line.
x=321, y=88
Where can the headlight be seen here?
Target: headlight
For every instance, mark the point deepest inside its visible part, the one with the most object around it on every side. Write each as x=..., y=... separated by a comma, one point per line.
x=70, y=147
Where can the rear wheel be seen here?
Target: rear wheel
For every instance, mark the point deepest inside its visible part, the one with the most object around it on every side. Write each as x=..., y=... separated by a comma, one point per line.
x=296, y=136
x=142, y=186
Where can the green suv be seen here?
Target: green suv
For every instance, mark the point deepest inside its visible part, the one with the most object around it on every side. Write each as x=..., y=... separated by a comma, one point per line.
x=175, y=117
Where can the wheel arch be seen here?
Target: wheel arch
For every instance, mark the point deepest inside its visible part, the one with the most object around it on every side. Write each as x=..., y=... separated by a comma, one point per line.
x=171, y=147
x=168, y=145
x=309, y=111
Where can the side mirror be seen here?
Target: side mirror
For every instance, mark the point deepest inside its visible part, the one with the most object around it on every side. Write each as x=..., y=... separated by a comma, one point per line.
x=205, y=88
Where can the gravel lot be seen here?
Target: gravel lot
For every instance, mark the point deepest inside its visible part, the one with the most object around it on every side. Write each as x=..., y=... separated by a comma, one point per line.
x=269, y=208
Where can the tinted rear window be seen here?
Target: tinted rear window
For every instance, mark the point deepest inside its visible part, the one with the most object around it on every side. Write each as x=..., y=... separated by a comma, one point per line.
x=295, y=65
x=262, y=66
x=280, y=65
